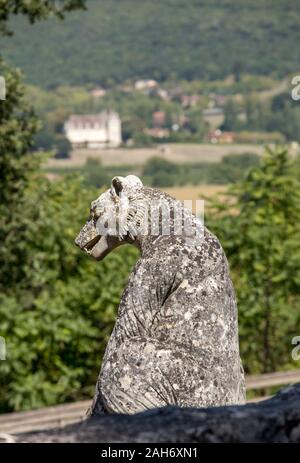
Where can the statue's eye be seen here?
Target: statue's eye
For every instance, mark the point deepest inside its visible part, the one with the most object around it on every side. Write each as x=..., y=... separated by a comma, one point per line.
x=113, y=194
x=93, y=213
x=97, y=212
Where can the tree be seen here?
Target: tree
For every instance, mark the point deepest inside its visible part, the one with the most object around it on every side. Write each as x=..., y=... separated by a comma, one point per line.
x=62, y=147
x=18, y=125
x=160, y=172
x=34, y=10
x=230, y=116
x=197, y=124
x=17, y=128
x=259, y=227
x=284, y=116
x=95, y=174
x=237, y=70
x=210, y=30
x=242, y=161
x=256, y=114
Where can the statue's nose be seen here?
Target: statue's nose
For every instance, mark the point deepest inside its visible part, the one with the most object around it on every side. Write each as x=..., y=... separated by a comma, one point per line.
x=86, y=234
x=77, y=241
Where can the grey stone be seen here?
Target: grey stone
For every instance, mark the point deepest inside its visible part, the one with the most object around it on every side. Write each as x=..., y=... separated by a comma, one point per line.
x=275, y=420
x=175, y=341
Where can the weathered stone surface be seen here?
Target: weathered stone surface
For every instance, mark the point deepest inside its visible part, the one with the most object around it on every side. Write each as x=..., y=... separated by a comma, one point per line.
x=274, y=420
x=175, y=341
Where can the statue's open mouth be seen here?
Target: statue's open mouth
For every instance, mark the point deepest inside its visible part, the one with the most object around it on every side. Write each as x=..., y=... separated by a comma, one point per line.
x=88, y=247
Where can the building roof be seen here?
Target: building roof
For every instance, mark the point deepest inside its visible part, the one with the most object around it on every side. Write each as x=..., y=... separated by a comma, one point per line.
x=159, y=118
x=213, y=112
x=91, y=119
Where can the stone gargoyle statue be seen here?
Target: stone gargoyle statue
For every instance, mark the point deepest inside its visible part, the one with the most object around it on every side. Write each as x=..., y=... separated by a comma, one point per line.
x=175, y=340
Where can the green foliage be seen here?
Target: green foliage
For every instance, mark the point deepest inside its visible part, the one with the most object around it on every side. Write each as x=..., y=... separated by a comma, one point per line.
x=285, y=116
x=196, y=123
x=231, y=121
x=233, y=168
x=18, y=124
x=280, y=115
x=34, y=10
x=95, y=174
x=259, y=227
x=141, y=139
x=196, y=39
x=159, y=172
x=17, y=127
x=62, y=147
x=57, y=306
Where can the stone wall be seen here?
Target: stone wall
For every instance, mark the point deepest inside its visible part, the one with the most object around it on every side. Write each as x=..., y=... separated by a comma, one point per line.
x=273, y=420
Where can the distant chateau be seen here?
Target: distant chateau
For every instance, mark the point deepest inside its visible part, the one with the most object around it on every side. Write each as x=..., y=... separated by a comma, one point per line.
x=94, y=131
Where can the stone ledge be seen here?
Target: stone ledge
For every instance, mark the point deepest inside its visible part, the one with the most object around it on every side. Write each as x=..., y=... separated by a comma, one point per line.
x=273, y=420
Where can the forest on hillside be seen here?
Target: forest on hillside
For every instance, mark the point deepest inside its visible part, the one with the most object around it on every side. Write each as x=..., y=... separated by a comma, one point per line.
x=174, y=39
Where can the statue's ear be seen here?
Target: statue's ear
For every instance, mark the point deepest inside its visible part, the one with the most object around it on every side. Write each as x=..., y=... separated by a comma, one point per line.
x=117, y=185
x=127, y=184
x=133, y=182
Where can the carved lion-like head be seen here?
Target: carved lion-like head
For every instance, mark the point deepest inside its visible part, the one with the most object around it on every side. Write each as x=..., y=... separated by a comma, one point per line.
x=115, y=217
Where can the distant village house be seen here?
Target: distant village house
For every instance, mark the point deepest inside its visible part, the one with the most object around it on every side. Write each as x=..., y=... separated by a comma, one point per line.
x=188, y=101
x=158, y=118
x=145, y=84
x=94, y=131
x=218, y=136
x=157, y=132
x=98, y=92
x=213, y=116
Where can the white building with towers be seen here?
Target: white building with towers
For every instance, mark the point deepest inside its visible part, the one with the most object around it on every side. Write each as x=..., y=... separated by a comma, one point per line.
x=94, y=131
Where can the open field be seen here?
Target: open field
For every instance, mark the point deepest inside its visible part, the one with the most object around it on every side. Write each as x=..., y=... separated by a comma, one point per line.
x=178, y=153
x=195, y=192
x=192, y=193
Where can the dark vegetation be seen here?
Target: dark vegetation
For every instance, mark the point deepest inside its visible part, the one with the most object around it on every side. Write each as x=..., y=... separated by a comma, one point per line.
x=279, y=115
x=159, y=172
x=174, y=39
